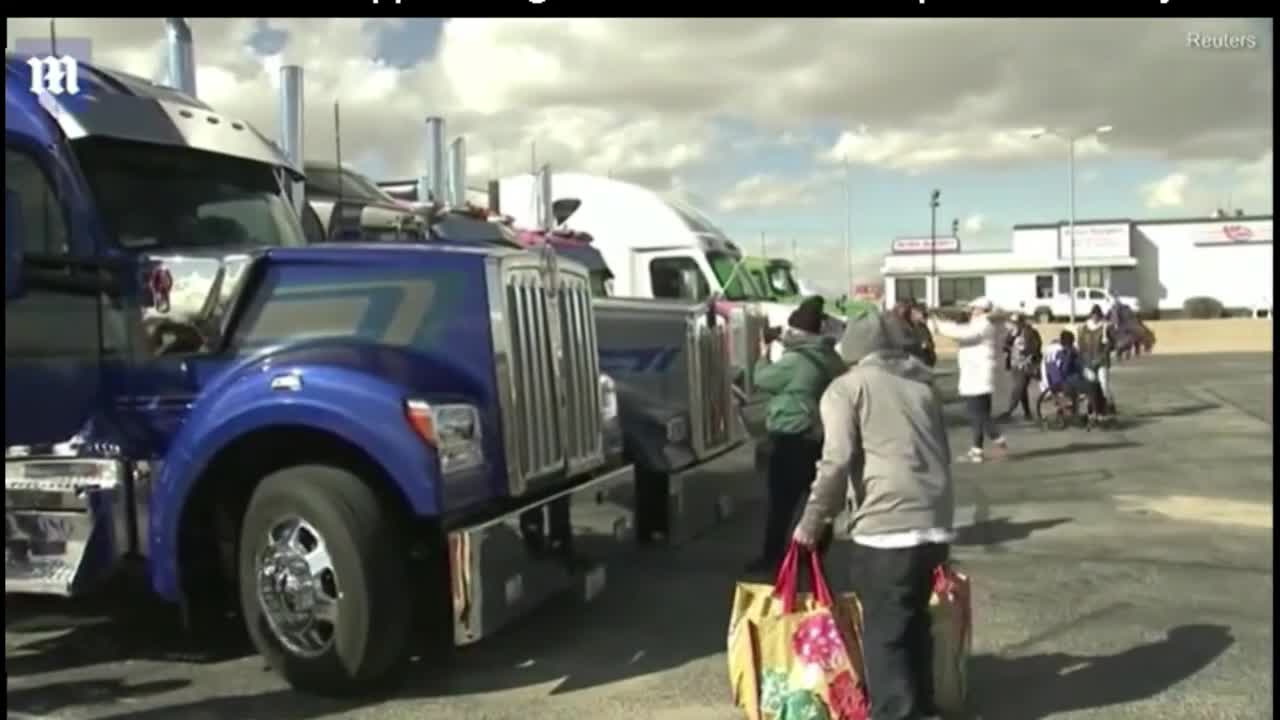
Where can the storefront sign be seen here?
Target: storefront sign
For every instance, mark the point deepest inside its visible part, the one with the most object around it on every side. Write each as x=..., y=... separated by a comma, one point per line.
x=912, y=245
x=1234, y=233
x=1095, y=241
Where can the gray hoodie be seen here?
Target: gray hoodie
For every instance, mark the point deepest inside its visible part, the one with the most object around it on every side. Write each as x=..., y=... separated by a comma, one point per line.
x=884, y=437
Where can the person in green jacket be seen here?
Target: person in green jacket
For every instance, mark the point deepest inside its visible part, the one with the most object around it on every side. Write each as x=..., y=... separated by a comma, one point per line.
x=794, y=384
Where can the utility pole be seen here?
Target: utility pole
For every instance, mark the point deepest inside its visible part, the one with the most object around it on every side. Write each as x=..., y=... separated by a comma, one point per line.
x=931, y=294
x=848, y=229
x=764, y=252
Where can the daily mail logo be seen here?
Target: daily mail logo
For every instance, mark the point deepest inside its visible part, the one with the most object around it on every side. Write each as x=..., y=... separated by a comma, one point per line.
x=55, y=70
x=55, y=75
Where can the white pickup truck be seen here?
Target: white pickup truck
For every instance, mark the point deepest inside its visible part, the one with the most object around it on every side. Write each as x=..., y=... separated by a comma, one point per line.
x=1059, y=306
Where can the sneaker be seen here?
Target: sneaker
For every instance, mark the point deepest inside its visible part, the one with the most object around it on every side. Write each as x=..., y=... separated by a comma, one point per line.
x=1000, y=444
x=974, y=456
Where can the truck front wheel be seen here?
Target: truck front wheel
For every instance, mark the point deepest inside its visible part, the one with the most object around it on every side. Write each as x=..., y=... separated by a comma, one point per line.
x=323, y=581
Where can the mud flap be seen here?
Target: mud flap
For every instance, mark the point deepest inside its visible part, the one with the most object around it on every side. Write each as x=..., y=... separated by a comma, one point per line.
x=557, y=548
x=65, y=524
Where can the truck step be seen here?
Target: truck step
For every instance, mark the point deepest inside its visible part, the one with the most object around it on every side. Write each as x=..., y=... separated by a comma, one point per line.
x=505, y=567
x=65, y=523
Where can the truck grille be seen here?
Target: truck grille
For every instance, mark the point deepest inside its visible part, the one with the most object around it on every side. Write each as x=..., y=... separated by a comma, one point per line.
x=553, y=421
x=711, y=412
x=748, y=327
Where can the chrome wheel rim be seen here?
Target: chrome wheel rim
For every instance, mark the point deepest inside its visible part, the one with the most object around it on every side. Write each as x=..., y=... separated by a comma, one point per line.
x=298, y=587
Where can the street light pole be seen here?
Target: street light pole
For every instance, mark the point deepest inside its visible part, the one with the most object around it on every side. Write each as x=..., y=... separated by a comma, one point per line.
x=1071, y=223
x=931, y=293
x=1071, y=201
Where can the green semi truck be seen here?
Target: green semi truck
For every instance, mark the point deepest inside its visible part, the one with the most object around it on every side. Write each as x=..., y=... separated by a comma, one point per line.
x=776, y=278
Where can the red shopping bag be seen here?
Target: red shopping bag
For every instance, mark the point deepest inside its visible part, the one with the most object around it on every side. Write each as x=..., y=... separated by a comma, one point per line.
x=951, y=620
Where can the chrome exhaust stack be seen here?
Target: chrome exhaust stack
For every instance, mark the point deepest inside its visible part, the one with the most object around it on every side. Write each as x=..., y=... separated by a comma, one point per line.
x=182, y=56
x=546, y=215
x=431, y=185
x=495, y=197
x=291, y=128
x=458, y=173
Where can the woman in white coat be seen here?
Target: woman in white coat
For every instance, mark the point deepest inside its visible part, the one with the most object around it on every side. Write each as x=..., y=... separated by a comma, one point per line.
x=977, y=354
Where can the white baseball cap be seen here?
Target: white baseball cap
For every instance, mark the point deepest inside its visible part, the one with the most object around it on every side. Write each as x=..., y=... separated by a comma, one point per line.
x=981, y=303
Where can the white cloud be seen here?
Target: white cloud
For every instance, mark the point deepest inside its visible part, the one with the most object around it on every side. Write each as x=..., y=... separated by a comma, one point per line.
x=1201, y=188
x=766, y=191
x=914, y=152
x=383, y=107
x=1254, y=191
x=641, y=98
x=1167, y=192
x=975, y=223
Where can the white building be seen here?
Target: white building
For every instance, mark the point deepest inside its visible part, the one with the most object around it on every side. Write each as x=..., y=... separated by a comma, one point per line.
x=1159, y=262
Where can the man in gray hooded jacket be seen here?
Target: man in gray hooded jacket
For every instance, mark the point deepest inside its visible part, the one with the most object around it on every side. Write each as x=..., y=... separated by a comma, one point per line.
x=885, y=439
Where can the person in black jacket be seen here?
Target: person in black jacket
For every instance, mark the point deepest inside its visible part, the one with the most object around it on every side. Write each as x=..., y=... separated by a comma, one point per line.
x=920, y=321
x=1022, y=359
x=918, y=339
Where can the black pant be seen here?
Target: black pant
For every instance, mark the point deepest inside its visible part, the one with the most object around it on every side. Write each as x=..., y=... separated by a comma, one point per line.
x=793, y=461
x=1091, y=391
x=980, y=419
x=1019, y=396
x=897, y=645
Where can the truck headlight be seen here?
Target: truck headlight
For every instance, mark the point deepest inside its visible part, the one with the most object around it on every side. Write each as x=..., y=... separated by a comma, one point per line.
x=452, y=429
x=608, y=399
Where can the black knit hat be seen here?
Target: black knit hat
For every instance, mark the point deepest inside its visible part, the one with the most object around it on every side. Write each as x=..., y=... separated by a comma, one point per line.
x=808, y=317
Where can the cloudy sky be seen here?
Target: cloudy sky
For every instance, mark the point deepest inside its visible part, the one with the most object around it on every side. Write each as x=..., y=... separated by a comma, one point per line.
x=768, y=125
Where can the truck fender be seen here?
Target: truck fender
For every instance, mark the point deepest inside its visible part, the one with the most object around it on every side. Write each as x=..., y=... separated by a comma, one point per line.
x=362, y=409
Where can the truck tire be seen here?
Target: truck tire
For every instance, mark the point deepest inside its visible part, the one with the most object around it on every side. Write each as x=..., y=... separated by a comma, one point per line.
x=324, y=581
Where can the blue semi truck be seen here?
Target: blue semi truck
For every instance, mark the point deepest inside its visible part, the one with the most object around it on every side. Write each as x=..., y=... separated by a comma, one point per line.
x=345, y=443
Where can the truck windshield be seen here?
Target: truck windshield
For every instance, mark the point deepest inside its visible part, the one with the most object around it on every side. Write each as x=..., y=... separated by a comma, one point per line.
x=155, y=197
x=781, y=281
x=324, y=182
x=741, y=288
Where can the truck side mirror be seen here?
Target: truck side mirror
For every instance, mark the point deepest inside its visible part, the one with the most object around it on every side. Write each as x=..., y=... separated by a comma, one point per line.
x=14, y=244
x=563, y=208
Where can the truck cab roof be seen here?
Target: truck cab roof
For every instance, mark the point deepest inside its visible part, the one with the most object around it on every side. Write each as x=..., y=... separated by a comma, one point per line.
x=127, y=107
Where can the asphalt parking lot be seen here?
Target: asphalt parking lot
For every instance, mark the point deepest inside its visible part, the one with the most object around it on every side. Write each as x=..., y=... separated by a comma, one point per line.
x=1117, y=574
